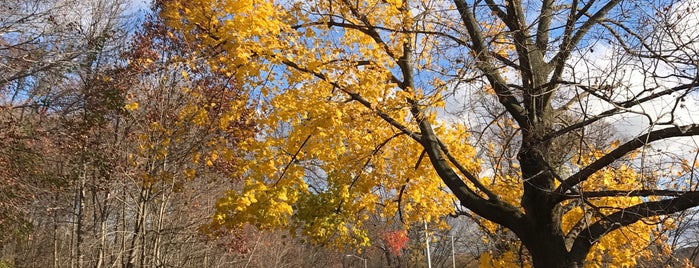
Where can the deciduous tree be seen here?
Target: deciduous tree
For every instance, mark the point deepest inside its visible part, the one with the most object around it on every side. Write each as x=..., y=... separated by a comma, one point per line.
x=353, y=97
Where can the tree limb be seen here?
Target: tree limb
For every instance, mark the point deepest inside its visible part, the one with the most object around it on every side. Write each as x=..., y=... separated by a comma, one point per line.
x=505, y=95
x=630, y=215
x=619, y=107
x=626, y=193
x=638, y=142
x=571, y=39
x=542, y=30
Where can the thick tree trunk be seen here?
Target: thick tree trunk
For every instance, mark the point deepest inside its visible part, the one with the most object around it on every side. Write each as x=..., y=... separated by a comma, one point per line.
x=548, y=251
x=542, y=234
x=550, y=260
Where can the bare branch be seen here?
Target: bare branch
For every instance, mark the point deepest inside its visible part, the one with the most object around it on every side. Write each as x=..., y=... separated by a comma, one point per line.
x=572, y=39
x=619, y=107
x=505, y=96
x=472, y=178
x=638, y=142
x=493, y=210
x=630, y=215
x=626, y=193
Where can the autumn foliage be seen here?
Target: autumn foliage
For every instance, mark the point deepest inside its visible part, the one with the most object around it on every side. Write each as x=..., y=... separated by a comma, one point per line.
x=396, y=241
x=354, y=122
x=558, y=133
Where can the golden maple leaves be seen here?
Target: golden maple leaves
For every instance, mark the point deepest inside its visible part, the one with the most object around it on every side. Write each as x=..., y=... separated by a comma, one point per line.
x=323, y=160
x=326, y=156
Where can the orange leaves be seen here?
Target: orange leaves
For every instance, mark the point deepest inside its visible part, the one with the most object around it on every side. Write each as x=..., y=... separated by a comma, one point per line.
x=396, y=241
x=500, y=43
x=267, y=207
x=186, y=117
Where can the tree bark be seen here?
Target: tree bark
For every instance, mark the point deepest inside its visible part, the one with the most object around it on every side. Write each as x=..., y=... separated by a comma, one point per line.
x=133, y=250
x=548, y=249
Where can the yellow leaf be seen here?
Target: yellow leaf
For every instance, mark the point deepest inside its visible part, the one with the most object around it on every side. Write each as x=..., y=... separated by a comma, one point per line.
x=131, y=106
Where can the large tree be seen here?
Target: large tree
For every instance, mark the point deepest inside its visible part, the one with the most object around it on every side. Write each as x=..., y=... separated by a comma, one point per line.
x=355, y=123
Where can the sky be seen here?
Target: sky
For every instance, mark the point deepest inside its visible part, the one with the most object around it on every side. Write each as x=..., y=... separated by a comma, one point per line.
x=137, y=6
x=601, y=63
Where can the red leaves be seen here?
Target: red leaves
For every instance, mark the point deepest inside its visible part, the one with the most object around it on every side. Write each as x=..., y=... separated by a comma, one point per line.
x=396, y=241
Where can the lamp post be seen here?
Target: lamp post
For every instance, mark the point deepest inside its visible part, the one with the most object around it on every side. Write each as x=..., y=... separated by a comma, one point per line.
x=355, y=256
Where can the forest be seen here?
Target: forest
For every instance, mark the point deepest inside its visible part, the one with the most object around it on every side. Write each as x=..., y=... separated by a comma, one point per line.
x=348, y=133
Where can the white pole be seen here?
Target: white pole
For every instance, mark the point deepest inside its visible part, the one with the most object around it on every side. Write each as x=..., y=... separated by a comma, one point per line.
x=453, y=256
x=427, y=243
x=355, y=256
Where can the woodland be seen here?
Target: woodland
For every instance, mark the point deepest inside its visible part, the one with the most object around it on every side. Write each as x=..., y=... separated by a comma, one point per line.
x=349, y=133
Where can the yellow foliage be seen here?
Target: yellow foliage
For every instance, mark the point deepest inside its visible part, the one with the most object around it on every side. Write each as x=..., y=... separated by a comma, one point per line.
x=323, y=161
x=326, y=156
x=131, y=106
x=505, y=260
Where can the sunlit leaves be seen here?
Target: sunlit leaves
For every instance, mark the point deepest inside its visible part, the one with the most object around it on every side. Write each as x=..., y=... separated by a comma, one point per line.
x=131, y=106
x=185, y=117
x=347, y=96
x=324, y=159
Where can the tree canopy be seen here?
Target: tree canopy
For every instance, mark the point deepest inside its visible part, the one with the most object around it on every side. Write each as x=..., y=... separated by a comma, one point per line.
x=568, y=123
x=552, y=133
x=353, y=99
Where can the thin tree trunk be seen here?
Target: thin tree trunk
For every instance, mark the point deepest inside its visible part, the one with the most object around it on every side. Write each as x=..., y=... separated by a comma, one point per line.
x=144, y=204
x=157, y=258
x=121, y=228
x=55, y=234
x=138, y=242
x=77, y=257
x=103, y=232
x=133, y=251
